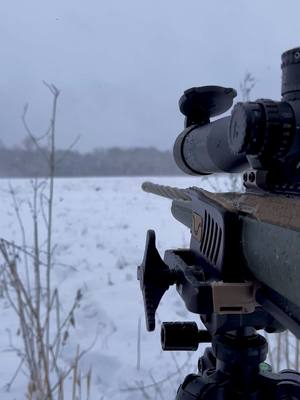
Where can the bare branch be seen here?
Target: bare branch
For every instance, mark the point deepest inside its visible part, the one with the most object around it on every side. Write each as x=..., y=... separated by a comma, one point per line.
x=68, y=149
x=31, y=135
x=35, y=301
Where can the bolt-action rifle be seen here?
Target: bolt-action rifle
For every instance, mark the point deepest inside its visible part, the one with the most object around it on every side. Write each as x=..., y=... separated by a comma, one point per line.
x=241, y=272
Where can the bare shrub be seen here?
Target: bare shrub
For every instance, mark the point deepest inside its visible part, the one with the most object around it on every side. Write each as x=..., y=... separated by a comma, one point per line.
x=27, y=283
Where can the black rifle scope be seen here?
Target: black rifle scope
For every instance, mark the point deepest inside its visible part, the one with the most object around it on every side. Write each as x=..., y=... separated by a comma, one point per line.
x=260, y=135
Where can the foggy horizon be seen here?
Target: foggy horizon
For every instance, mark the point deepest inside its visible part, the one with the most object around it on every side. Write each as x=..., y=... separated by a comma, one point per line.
x=122, y=66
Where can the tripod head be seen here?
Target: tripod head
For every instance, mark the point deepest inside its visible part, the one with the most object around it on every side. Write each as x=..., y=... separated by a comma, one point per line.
x=239, y=273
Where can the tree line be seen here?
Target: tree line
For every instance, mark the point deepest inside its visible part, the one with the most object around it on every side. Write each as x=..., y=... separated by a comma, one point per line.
x=32, y=162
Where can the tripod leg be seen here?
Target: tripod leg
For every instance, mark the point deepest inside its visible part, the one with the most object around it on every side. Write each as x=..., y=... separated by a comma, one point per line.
x=195, y=387
x=209, y=384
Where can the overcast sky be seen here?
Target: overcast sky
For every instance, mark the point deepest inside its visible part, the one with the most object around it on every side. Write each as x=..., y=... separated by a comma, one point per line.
x=122, y=65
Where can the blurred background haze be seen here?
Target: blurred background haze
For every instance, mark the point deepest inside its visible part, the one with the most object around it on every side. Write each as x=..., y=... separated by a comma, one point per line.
x=122, y=65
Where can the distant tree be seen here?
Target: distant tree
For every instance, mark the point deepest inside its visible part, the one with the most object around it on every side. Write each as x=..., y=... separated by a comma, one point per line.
x=247, y=85
x=28, y=144
x=26, y=160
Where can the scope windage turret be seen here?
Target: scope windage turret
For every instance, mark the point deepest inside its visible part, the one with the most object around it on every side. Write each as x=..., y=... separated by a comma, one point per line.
x=261, y=135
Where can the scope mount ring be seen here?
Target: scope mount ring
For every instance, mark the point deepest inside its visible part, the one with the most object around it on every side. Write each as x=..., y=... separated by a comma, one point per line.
x=199, y=104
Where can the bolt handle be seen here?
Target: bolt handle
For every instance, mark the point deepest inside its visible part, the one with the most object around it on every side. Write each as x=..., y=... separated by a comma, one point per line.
x=155, y=278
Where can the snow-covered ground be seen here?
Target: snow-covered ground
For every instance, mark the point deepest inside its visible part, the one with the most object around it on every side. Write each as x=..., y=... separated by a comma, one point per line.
x=100, y=227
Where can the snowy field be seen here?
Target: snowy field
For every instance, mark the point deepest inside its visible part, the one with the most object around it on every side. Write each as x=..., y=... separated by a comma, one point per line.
x=100, y=227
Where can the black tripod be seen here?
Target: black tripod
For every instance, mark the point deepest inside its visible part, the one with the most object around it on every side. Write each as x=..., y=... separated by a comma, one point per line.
x=233, y=369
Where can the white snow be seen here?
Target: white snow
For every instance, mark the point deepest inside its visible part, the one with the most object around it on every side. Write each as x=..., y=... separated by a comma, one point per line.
x=100, y=228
